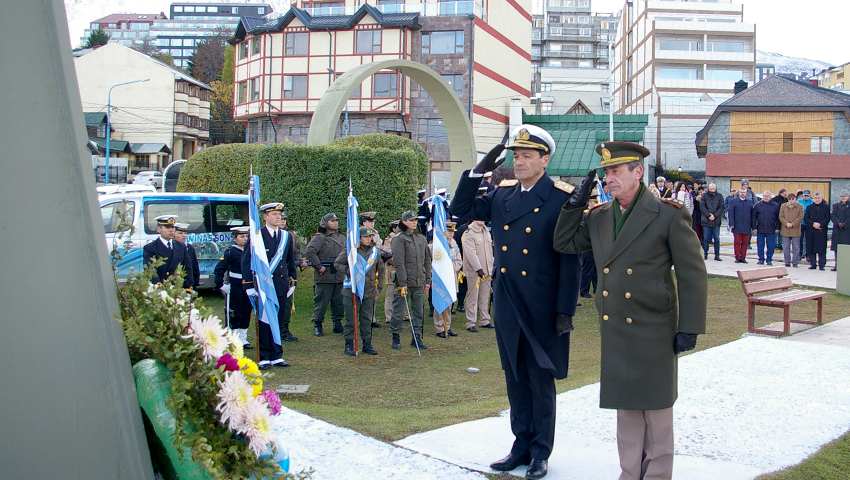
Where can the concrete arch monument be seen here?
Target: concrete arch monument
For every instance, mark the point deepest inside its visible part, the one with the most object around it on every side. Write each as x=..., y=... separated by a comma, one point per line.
x=461, y=142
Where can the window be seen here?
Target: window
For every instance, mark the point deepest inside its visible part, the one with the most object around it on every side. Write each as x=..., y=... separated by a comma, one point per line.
x=570, y=20
x=356, y=126
x=385, y=85
x=736, y=47
x=584, y=32
x=235, y=9
x=556, y=30
x=228, y=215
x=679, y=73
x=299, y=130
x=268, y=131
x=255, y=45
x=385, y=124
x=212, y=9
x=261, y=10
x=295, y=86
x=605, y=88
x=368, y=41
x=584, y=20
x=255, y=89
x=141, y=162
x=554, y=19
x=178, y=9
x=585, y=48
x=555, y=63
x=432, y=130
x=101, y=130
x=547, y=107
x=455, y=81
x=535, y=51
x=436, y=43
x=297, y=43
x=253, y=132
x=189, y=9
x=788, y=142
x=821, y=144
x=243, y=50
x=629, y=92
x=554, y=47
x=724, y=75
x=195, y=213
x=545, y=87
x=116, y=213
x=679, y=45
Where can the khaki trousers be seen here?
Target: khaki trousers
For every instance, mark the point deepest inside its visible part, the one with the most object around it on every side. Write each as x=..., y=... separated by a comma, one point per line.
x=477, y=298
x=645, y=443
x=443, y=320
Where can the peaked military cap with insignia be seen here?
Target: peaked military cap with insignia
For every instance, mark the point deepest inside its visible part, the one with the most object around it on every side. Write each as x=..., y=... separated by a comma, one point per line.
x=532, y=136
x=370, y=216
x=366, y=232
x=409, y=215
x=329, y=217
x=450, y=225
x=615, y=153
x=441, y=191
x=240, y=230
x=166, y=220
x=183, y=227
x=272, y=206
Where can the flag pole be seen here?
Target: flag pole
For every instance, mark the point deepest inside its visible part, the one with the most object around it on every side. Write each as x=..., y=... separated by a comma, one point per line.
x=257, y=309
x=356, y=319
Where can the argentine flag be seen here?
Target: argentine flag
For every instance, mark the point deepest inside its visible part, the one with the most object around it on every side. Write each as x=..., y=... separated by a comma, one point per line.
x=442, y=269
x=356, y=263
x=600, y=192
x=265, y=303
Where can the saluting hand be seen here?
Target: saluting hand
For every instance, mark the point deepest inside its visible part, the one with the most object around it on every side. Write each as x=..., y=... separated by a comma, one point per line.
x=490, y=162
x=581, y=196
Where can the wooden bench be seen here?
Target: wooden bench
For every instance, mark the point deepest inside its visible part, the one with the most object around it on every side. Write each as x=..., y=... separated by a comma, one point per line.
x=771, y=287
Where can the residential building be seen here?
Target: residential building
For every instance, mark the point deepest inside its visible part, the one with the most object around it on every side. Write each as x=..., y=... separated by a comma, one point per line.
x=779, y=133
x=566, y=34
x=764, y=70
x=285, y=65
x=834, y=77
x=565, y=91
x=128, y=29
x=139, y=156
x=676, y=61
x=170, y=108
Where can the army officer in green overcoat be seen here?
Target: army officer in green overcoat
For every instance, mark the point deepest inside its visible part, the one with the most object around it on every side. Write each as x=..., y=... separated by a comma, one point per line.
x=645, y=317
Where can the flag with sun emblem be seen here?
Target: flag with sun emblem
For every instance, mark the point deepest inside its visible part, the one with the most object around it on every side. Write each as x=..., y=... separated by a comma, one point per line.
x=442, y=269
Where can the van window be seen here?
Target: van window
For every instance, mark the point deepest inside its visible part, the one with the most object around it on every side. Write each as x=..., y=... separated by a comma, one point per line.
x=114, y=212
x=194, y=212
x=229, y=214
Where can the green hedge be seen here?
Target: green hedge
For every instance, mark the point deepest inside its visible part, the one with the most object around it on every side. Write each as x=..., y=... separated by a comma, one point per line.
x=385, y=171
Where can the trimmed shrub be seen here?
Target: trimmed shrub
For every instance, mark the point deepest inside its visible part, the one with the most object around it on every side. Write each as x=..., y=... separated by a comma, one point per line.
x=219, y=169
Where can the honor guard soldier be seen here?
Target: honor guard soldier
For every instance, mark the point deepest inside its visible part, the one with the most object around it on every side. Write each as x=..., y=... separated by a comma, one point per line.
x=389, y=275
x=443, y=320
x=321, y=252
x=636, y=240
x=535, y=288
x=367, y=219
x=412, y=259
x=478, y=270
x=181, y=231
x=276, y=241
x=372, y=289
x=238, y=307
x=166, y=247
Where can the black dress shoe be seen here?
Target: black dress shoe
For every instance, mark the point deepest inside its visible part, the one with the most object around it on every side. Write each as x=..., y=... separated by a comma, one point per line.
x=586, y=295
x=489, y=325
x=537, y=469
x=442, y=334
x=743, y=260
x=288, y=337
x=265, y=366
x=510, y=462
x=461, y=309
x=376, y=325
x=473, y=329
x=281, y=363
x=248, y=346
x=812, y=267
x=451, y=333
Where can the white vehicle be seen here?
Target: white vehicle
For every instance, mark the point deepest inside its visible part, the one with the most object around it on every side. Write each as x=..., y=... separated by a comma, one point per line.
x=148, y=177
x=124, y=188
x=209, y=215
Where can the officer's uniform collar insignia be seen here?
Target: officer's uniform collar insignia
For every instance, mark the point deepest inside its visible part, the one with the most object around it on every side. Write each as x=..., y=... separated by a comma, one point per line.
x=508, y=183
x=564, y=186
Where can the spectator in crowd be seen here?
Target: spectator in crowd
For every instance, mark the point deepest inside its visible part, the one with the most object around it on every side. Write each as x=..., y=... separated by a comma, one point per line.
x=780, y=200
x=712, y=206
x=840, y=222
x=697, y=216
x=804, y=202
x=790, y=216
x=732, y=194
x=751, y=196
x=680, y=192
x=654, y=190
x=741, y=223
x=766, y=225
x=816, y=217
x=670, y=190
x=661, y=185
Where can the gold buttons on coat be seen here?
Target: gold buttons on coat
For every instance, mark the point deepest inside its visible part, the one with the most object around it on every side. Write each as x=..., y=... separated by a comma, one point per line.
x=502, y=270
x=605, y=270
x=523, y=273
x=507, y=227
x=629, y=320
x=604, y=293
x=628, y=271
x=628, y=295
x=536, y=209
x=605, y=318
x=527, y=229
x=525, y=251
x=504, y=248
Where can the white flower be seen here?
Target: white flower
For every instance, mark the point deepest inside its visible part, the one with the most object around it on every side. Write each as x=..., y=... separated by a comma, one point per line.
x=152, y=288
x=164, y=295
x=209, y=335
x=235, y=394
x=258, y=427
x=235, y=348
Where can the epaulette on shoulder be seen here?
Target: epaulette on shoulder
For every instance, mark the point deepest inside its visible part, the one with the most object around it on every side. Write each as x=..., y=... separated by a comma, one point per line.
x=672, y=201
x=564, y=186
x=508, y=182
x=595, y=207
x=222, y=257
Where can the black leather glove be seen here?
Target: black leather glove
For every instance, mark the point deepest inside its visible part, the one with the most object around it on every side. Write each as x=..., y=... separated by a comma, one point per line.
x=684, y=342
x=581, y=196
x=480, y=273
x=563, y=324
x=489, y=162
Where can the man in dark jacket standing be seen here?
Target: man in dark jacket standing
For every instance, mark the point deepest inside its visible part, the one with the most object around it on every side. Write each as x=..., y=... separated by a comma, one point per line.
x=325, y=246
x=712, y=206
x=840, y=223
x=781, y=198
x=766, y=225
x=741, y=223
x=172, y=251
x=636, y=239
x=535, y=288
x=817, y=219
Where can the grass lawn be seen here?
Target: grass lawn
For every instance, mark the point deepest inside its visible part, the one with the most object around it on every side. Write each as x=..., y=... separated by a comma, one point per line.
x=396, y=393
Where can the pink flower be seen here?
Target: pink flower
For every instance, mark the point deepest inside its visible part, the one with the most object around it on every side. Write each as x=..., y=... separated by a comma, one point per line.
x=273, y=401
x=230, y=363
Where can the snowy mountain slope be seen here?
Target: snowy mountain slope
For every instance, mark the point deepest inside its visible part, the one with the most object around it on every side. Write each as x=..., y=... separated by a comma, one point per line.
x=795, y=65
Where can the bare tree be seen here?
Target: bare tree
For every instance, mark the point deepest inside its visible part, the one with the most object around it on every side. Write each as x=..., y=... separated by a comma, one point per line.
x=206, y=62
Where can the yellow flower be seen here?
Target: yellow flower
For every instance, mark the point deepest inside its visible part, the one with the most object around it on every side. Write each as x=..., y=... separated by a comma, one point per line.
x=252, y=371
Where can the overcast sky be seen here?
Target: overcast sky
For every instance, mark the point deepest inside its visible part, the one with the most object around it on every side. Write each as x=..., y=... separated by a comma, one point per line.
x=810, y=29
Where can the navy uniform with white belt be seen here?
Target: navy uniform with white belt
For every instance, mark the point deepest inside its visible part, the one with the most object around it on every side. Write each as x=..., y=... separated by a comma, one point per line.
x=231, y=263
x=535, y=288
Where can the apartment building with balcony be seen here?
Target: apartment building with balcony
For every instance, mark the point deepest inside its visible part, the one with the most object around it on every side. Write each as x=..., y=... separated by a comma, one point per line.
x=566, y=34
x=676, y=61
x=835, y=77
x=286, y=62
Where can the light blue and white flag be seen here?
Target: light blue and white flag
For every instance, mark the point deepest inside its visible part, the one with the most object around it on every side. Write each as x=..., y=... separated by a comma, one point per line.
x=600, y=192
x=442, y=268
x=356, y=264
x=265, y=304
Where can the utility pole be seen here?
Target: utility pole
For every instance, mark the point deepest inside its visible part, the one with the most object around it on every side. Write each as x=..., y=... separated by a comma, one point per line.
x=108, y=114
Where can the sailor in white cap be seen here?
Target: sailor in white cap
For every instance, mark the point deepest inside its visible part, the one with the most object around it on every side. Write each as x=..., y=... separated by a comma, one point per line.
x=167, y=248
x=181, y=231
x=238, y=307
x=283, y=275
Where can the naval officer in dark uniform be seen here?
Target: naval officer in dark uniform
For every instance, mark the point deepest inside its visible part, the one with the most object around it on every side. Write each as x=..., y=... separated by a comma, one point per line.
x=239, y=313
x=636, y=240
x=535, y=288
x=166, y=247
x=283, y=276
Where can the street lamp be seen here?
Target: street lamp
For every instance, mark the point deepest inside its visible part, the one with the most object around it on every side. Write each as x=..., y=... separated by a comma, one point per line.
x=108, y=106
x=345, y=124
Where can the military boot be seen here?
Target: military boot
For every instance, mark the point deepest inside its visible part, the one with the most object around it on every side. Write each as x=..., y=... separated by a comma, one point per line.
x=349, y=347
x=286, y=335
x=418, y=339
x=396, y=342
x=317, y=330
x=367, y=348
x=337, y=326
